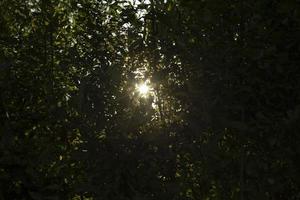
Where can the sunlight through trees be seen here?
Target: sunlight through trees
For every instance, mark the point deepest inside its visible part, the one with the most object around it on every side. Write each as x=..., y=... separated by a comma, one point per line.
x=149, y=100
x=143, y=89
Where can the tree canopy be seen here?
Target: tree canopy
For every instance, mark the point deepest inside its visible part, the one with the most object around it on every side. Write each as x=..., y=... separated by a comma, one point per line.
x=149, y=99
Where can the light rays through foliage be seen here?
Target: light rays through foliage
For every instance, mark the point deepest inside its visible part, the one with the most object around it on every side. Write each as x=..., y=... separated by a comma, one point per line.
x=149, y=99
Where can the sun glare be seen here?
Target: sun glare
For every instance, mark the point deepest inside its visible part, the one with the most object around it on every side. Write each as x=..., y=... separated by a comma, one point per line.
x=143, y=89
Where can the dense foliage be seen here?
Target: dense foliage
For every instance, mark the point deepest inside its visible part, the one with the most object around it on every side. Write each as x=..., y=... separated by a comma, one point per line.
x=221, y=120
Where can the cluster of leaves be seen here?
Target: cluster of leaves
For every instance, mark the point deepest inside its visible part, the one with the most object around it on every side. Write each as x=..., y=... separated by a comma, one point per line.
x=221, y=122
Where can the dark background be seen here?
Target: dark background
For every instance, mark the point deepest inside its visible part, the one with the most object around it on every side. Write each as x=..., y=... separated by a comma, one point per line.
x=221, y=121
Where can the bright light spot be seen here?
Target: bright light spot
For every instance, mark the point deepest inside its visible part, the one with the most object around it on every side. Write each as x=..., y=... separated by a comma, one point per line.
x=143, y=89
